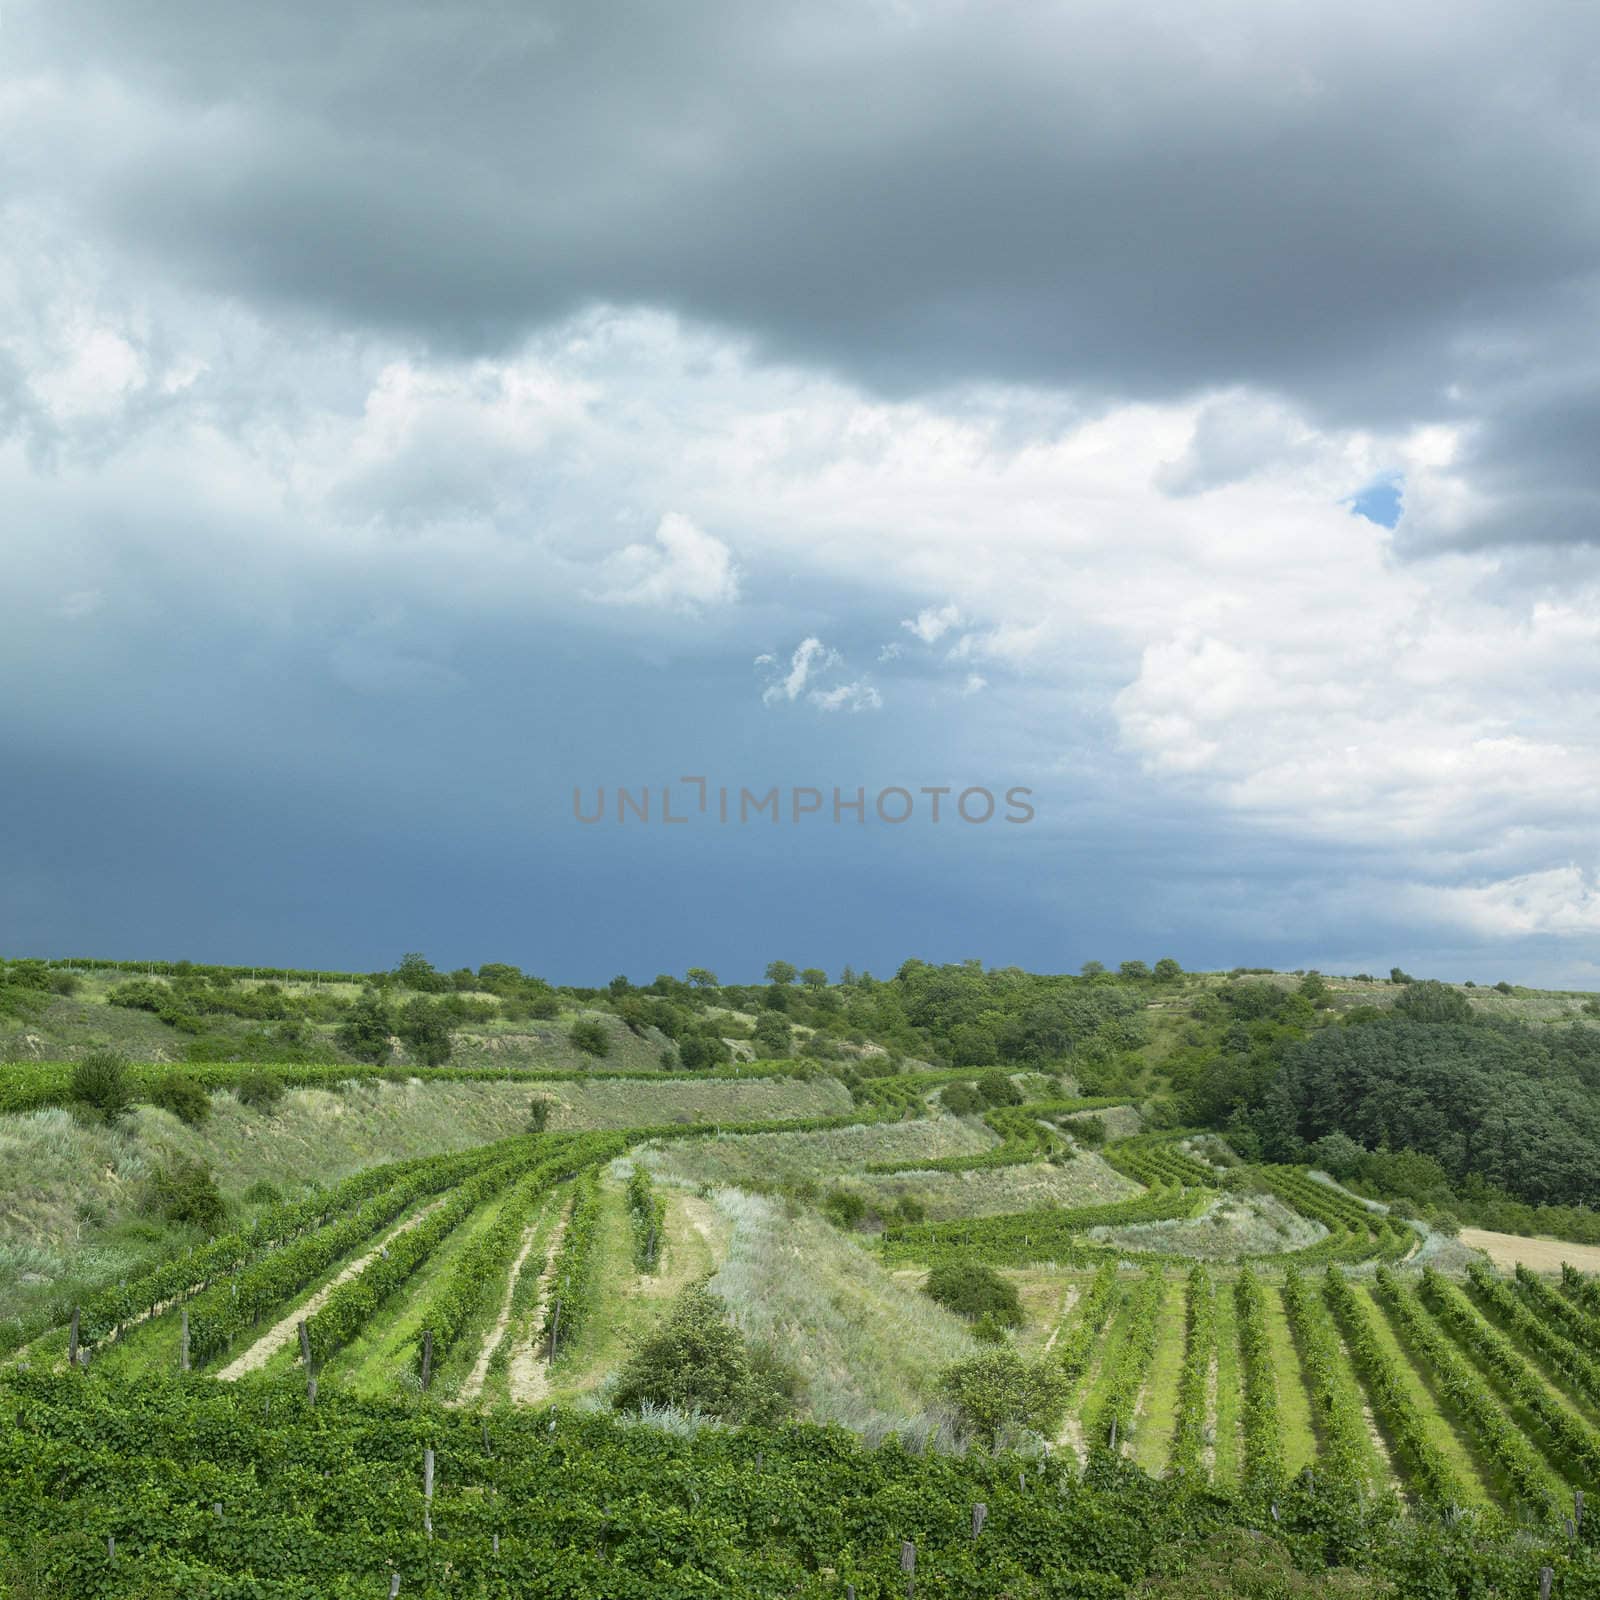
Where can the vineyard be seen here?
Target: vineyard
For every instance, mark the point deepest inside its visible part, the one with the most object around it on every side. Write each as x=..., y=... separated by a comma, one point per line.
x=369, y=1388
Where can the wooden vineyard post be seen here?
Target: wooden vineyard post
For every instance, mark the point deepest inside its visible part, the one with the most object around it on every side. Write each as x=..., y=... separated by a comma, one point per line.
x=183, y=1341
x=72, y=1340
x=980, y=1515
x=427, y=1491
x=427, y=1357
x=908, y=1565
x=394, y=1585
x=555, y=1328
x=1546, y=1578
x=111, y=1547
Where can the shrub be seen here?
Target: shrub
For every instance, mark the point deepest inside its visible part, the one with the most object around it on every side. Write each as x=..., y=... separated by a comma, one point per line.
x=696, y=1360
x=972, y=1290
x=1338, y=1154
x=699, y=1052
x=100, y=1083
x=844, y=1208
x=997, y=1389
x=1087, y=1130
x=538, y=1114
x=183, y=1097
x=961, y=1099
x=261, y=1091
x=262, y=1193
x=590, y=1037
x=184, y=1191
x=773, y=1035
x=997, y=1089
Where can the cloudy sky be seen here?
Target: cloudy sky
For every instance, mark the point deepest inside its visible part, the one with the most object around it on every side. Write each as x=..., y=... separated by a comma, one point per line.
x=412, y=412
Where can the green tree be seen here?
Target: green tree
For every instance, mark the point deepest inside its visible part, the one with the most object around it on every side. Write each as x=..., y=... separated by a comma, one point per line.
x=180, y=1094
x=1135, y=971
x=773, y=1035
x=1167, y=970
x=702, y=978
x=814, y=978
x=1093, y=969
x=184, y=1191
x=1432, y=1001
x=701, y=1050
x=1337, y=1153
x=695, y=1360
x=997, y=1389
x=416, y=971
x=425, y=1029
x=367, y=1029
x=781, y=973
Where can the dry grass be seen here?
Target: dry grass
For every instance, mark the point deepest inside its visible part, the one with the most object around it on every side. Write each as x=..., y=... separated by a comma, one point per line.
x=617, y=1103
x=786, y=1157
x=1084, y=1181
x=1538, y=1255
x=868, y=1347
x=1231, y=1227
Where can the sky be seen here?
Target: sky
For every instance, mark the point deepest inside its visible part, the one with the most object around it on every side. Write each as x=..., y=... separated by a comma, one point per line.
x=416, y=416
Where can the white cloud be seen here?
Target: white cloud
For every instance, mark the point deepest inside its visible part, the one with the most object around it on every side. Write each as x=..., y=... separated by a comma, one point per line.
x=1559, y=900
x=810, y=656
x=932, y=623
x=858, y=696
x=686, y=569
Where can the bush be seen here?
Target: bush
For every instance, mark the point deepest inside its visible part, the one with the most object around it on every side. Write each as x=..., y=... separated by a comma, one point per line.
x=773, y=1035
x=997, y=1389
x=183, y=1097
x=262, y=1193
x=184, y=1191
x=696, y=1360
x=538, y=1114
x=1090, y=1131
x=998, y=1090
x=972, y=1290
x=100, y=1083
x=1338, y=1154
x=261, y=1091
x=701, y=1051
x=961, y=1099
x=590, y=1037
x=844, y=1208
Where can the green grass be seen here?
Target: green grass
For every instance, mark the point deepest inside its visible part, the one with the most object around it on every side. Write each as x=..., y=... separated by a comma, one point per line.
x=1091, y=1395
x=378, y=1361
x=1425, y=1400
x=1296, y=1421
x=1230, y=1381
x=1153, y=1431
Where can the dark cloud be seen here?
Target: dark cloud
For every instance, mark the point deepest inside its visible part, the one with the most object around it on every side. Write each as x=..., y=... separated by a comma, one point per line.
x=1321, y=200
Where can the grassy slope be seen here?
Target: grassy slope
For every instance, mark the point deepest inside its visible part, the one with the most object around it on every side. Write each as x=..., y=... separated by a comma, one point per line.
x=1295, y=1418
x=1230, y=1378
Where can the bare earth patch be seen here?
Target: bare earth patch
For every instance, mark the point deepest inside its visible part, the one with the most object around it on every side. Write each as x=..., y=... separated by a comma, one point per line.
x=1539, y=1255
x=263, y=1350
x=473, y=1387
x=527, y=1376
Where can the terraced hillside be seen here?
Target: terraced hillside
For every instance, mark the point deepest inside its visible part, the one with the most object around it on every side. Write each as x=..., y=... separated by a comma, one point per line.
x=449, y=1362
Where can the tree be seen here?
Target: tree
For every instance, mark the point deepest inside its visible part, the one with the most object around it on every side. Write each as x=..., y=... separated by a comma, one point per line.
x=183, y=1096
x=695, y=1360
x=701, y=1050
x=1167, y=970
x=619, y=986
x=814, y=978
x=773, y=1035
x=538, y=1114
x=998, y=1089
x=184, y=1191
x=1093, y=969
x=416, y=971
x=426, y=1031
x=1337, y=1153
x=997, y=1389
x=1397, y=976
x=702, y=978
x=367, y=1029
x=1313, y=987
x=1432, y=1001
x=782, y=973
x=1136, y=971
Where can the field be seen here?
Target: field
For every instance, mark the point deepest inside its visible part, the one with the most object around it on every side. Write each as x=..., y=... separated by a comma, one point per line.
x=1232, y=1343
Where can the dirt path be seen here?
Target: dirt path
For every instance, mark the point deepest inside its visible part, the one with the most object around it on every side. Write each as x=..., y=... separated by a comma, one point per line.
x=473, y=1387
x=263, y=1350
x=527, y=1375
x=1538, y=1255
x=1068, y=1301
